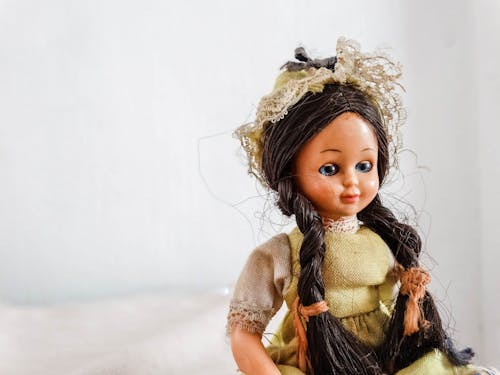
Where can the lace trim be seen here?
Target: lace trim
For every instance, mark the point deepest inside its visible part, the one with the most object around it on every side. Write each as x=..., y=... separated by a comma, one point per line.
x=247, y=316
x=343, y=225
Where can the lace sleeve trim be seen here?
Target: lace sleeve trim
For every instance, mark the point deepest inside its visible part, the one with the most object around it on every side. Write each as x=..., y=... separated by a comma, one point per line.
x=249, y=317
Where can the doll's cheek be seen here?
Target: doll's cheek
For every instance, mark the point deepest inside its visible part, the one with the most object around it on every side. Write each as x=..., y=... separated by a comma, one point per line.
x=306, y=183
x=314, y=187
x=373, y=184
x=371, y=189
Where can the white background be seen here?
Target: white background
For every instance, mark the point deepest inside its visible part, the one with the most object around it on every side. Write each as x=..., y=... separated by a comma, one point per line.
x=119, y=175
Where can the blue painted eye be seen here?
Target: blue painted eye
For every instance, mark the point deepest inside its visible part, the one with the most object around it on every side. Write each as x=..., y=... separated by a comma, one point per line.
x=328, y=169
x=364, y=167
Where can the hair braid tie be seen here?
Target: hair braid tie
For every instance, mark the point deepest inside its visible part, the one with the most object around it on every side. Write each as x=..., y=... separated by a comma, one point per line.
x=304, y=312
x=413, y=283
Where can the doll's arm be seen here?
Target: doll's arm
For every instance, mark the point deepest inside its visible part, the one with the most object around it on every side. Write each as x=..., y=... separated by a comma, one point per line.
x=257, y=296
x=258, y=293
x=250, y=354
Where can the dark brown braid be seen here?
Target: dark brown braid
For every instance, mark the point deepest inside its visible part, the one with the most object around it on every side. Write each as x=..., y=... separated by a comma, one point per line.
x=332, y=348
x=398, y=351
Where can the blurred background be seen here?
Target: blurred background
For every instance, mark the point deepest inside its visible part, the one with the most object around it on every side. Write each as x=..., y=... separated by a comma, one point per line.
x=119, y=174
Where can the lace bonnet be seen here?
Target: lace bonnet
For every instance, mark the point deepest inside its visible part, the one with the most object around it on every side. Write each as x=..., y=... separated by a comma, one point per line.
x=375, y=74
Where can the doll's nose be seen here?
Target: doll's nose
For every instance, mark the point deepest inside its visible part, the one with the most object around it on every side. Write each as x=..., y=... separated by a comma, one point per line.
x=350, y=178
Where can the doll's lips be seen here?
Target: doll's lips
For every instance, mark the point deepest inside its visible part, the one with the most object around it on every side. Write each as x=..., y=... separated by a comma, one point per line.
x=349, y=198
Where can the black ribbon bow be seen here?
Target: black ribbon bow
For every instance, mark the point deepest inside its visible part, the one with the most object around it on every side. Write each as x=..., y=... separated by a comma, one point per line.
x=306, y=62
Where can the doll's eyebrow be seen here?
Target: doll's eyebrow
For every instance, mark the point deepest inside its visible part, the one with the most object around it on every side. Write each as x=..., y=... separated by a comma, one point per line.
x=335, y=150
x=330, y=149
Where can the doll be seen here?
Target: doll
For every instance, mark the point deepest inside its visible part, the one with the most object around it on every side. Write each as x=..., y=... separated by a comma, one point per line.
x=323, y=141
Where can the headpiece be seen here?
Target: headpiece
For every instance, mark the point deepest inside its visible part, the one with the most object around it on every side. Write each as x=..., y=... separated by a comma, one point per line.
x=374, y=74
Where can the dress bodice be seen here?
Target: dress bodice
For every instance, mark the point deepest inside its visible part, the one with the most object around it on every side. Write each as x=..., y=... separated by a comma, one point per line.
x=355, y=266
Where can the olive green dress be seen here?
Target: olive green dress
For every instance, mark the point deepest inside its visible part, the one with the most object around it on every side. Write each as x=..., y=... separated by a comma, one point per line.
x=359, y=290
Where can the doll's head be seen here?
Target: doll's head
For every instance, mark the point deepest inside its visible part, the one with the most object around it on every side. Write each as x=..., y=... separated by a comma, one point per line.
x=368, y=82
x=339, y=118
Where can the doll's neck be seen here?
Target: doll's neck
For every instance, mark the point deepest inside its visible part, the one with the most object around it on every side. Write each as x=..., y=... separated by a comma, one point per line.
x=349, y=224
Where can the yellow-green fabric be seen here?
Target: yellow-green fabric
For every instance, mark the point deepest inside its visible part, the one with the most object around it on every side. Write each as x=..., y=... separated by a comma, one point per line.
x=436, y=362
x=359, y=291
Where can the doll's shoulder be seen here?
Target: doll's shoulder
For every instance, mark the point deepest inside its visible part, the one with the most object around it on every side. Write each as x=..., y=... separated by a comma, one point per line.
x=378, y=247
x=374, y=240
x=270, y=263
x=370, y=235
x=274, y=246
x=274, y=253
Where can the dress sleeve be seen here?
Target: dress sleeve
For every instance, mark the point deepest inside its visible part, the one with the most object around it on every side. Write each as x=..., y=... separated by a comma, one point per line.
x=258, y=293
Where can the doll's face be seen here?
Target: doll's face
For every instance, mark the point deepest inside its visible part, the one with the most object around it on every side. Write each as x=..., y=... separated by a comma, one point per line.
x=337, y=169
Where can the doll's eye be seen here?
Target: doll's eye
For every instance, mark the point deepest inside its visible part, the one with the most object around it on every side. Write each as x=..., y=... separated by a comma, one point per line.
x=328, y=169
x=364, y=167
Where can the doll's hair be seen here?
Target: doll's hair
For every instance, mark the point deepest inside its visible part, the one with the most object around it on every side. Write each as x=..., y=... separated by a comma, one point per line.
x=332, y=348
